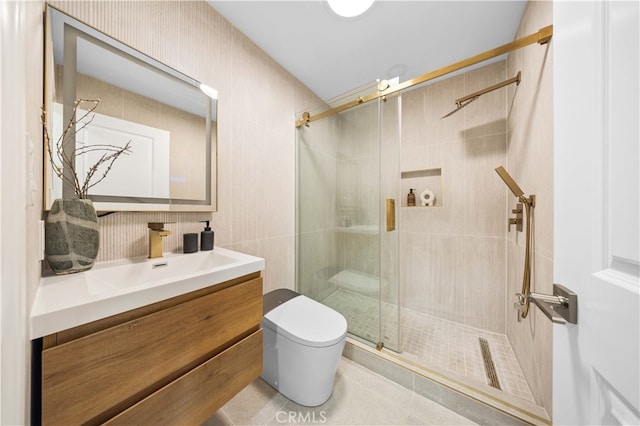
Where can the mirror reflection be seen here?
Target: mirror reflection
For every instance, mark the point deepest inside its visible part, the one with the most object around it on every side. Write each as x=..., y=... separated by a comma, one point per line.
x=168, y=118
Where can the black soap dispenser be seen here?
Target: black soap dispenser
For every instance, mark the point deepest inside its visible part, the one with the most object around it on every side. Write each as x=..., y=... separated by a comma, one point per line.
x=206, y=238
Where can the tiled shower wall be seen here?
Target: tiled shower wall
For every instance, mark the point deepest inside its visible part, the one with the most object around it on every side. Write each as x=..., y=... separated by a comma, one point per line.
x=452, y=256
x=530, y=162
x=257, y=104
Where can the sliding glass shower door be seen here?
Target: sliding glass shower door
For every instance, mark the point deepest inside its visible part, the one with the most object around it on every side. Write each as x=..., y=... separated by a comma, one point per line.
x=347, y=169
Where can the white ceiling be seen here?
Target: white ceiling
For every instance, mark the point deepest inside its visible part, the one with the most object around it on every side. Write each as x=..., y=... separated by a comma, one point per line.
x=333, y=55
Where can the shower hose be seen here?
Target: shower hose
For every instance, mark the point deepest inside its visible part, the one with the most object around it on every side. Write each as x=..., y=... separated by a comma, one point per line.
x=523, y=303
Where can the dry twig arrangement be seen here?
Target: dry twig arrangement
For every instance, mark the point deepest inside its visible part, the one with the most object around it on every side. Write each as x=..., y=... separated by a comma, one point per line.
x=61, y=160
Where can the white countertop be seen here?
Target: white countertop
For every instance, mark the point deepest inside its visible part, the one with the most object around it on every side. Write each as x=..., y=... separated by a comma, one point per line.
x=110, y=288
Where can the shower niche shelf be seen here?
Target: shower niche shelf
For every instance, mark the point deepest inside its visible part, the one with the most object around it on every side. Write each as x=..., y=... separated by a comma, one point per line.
x=359, y=229
x=421, y=180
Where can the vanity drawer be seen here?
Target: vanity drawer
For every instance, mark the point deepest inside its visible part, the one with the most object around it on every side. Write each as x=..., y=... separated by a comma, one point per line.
x=194, y=397
x=93, y=378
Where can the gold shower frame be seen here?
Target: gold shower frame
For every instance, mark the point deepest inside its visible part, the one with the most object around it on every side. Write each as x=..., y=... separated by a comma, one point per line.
x=543, y=36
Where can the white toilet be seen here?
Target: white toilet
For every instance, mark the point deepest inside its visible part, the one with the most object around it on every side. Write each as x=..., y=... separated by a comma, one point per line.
x=303, y=342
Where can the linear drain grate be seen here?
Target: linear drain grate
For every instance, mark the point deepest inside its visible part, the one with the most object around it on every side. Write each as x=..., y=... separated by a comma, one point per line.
x=489, y=367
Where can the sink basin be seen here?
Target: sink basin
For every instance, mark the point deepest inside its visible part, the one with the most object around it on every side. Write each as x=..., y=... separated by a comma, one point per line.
x=151, y=272
x=109, y=288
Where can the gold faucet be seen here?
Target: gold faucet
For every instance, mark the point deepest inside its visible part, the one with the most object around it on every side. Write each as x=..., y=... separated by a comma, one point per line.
x=156, y=232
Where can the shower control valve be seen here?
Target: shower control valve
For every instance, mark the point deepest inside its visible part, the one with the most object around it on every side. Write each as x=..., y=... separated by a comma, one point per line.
x=517, y=221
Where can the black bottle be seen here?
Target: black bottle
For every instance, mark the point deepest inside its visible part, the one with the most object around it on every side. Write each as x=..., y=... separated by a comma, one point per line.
x=411, y=198
x=206, y=238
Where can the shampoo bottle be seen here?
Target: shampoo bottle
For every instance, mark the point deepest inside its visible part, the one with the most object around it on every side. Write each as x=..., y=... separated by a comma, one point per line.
x=411, y=198
x=206, y=238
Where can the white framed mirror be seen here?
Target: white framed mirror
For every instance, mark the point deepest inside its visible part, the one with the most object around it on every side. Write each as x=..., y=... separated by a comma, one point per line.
x=169, y=119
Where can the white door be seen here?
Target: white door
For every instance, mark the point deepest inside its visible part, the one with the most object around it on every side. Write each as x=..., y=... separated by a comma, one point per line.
x=596, y=376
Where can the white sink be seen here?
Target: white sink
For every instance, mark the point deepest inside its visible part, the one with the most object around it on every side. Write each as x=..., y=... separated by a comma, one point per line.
x=151, y=272
x=109, y=288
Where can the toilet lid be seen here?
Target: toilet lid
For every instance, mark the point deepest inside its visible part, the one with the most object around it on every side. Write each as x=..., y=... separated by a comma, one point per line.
x=307, y=322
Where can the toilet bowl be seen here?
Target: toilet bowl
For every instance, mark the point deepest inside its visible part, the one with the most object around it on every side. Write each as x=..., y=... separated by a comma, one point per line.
x=303, y=342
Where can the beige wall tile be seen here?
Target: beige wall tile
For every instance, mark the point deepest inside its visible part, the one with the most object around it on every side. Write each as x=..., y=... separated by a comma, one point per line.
x=280, y=98
x=281, y=263
x=432, y=274
x=484, y=277
x=484, y=196
x=441, y=97
x=415, y=134
x=279, y=186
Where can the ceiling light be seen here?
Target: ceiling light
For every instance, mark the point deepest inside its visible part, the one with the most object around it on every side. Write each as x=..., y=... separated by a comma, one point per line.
x=350, y=8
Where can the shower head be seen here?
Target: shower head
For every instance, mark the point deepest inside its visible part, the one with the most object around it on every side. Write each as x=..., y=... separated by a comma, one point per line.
x=459, y=106
x=513, y=186
x=466, y=100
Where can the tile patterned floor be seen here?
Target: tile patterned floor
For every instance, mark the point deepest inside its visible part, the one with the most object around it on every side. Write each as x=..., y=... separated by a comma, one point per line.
x=456, y=347
x=360, y=397
x=431, y=341
x=362, y=315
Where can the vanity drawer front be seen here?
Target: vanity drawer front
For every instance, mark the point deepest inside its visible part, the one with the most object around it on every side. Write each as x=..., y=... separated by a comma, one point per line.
x=194, y=397
x=93, y=378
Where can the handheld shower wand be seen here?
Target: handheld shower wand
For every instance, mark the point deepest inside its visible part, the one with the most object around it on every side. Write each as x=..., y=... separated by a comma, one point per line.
x=513, y=186
x=522, y=305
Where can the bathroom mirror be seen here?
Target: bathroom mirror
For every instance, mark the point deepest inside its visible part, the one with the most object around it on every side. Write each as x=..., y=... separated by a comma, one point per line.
x=169, y=119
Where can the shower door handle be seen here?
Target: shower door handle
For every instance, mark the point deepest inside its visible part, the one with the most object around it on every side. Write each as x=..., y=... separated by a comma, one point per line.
x=391, y=214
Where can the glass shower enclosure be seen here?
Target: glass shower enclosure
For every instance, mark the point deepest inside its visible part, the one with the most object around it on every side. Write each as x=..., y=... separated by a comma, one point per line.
x=347, y=245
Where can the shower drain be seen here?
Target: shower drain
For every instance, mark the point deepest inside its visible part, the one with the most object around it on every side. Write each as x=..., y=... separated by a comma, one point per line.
x=489, y=367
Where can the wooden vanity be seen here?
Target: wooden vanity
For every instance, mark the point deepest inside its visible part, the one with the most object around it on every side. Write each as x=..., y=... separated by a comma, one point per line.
x=176, y=361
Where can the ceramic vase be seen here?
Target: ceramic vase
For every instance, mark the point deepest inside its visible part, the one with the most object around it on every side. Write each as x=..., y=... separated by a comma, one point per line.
x=72, y=237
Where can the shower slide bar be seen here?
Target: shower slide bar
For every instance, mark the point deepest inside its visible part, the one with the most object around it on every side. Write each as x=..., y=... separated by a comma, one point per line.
x=543, y=36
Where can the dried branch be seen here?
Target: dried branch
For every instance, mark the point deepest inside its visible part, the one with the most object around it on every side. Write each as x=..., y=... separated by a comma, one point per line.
x=111, y=158
x=62, y=161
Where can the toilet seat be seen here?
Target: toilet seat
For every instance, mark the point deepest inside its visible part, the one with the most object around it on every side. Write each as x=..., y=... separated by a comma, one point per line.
x=302, y=344
x=307, y=322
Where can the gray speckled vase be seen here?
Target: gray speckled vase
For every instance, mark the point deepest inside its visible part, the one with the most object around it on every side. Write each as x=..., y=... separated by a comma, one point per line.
x=71, y=236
